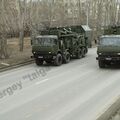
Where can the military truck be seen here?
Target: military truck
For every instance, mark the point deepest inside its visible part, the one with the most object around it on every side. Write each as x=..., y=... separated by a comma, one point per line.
x=109, y=47
x=58, y=45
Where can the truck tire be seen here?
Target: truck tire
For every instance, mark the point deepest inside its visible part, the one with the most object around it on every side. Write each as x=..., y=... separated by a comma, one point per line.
x=83, y=52
x=101, y=64
x=79, y=55
x=58, y=60
x=86, y=49
x=39, y=62
x=67, y=58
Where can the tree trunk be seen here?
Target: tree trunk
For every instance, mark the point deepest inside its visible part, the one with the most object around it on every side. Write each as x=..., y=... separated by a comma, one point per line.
x=21, y=40
x=3, y=46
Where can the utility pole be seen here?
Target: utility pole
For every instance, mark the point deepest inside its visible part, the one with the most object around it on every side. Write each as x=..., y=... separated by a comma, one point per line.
x=117, y=13
x=79, y=8
x=87, y=13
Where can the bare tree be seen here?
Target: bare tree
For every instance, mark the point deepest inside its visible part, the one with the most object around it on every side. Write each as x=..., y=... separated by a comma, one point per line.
x=7, y=18
x=19, y=15
x=22, y=6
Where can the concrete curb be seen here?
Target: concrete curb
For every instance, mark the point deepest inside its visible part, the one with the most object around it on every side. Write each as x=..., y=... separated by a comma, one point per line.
x=16, y=65
x=110, y=111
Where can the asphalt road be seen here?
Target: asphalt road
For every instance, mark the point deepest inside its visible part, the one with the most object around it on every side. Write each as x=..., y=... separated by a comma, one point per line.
x=75, y=91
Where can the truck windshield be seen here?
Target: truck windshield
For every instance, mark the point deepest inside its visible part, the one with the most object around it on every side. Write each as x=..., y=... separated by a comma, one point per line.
x=46, y=41
x=110, y=41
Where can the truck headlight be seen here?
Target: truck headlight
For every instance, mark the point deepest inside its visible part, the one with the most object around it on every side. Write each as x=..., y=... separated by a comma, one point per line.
x=118, y=53
x=50, y=52
x=100, y=53
x=54, y=57
x=34, y=52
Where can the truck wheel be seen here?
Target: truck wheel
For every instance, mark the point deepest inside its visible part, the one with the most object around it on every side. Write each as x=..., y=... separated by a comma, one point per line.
x=79, y=55
x=67, y=58
x=83, y=52
x=86, y=49
x=58, y=60
x=39, y=62
x=101, y=64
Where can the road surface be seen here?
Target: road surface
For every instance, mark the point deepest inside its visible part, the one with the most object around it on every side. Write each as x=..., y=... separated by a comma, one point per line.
x=75, y=91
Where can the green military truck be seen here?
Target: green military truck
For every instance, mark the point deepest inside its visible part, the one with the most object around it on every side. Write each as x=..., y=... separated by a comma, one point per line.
x=109, y=47
x=58, y=45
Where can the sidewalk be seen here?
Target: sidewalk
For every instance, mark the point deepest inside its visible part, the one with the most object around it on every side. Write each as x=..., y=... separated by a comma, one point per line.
x=16, y=56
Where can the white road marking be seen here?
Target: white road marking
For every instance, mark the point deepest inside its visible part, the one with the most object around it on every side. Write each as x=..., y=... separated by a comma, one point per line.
x=40, y=82
x=6, y=64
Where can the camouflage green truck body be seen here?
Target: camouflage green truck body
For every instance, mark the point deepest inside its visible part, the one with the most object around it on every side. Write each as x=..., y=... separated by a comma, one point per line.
x=58, y=45
x=109, y=47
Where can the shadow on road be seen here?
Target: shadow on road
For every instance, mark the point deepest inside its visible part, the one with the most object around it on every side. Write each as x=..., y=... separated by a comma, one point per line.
x=113, y=66
x=52, y=64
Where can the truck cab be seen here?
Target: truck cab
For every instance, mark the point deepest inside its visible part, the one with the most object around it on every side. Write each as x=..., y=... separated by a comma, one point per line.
x=108, y=50
x=49, y=48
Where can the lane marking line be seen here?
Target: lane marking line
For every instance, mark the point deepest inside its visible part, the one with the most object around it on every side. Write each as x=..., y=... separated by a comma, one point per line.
x=38, y=83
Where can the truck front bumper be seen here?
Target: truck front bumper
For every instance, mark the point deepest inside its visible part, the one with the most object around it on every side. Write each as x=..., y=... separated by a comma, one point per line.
x=44, y=57
x=108, y=58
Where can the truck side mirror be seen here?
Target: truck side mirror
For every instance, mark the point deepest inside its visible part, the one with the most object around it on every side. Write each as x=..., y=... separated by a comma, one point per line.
x=95, y=40
x=31, y=42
